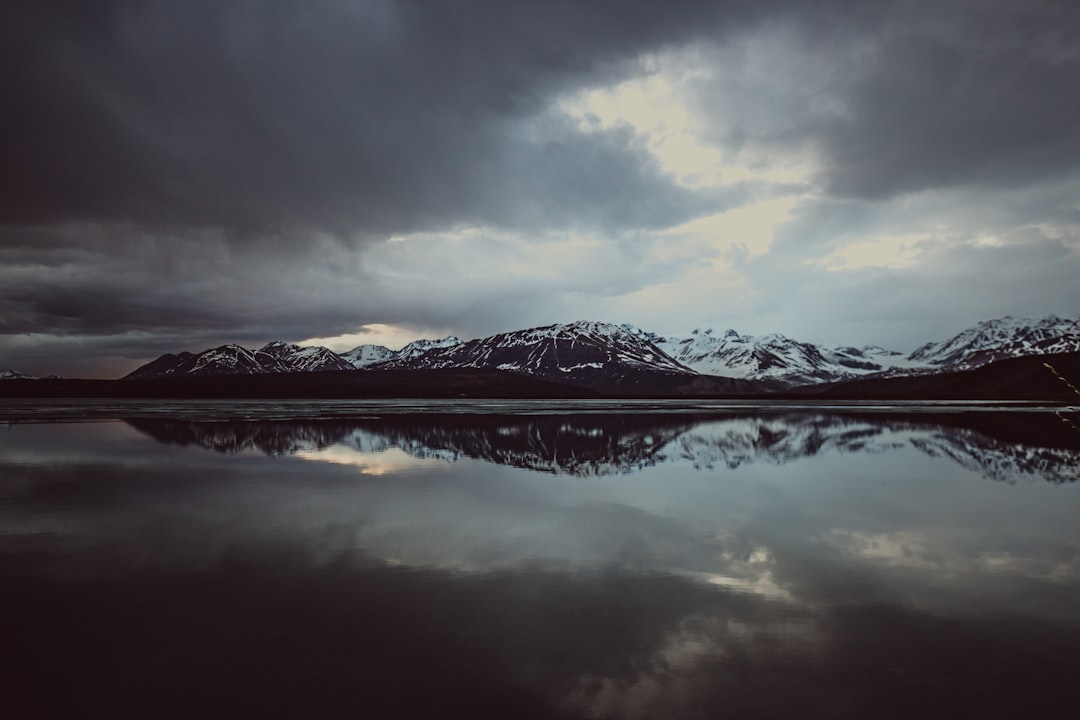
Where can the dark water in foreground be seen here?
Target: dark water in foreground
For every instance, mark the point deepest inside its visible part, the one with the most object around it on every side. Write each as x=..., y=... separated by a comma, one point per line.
x=548, y=561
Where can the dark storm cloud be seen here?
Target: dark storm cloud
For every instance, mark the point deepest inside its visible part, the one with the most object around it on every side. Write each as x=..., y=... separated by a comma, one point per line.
x=939, y=115
x=908, y=96
x=169, y=162
x=86, y=299
x=379, y=116
x=388, y=117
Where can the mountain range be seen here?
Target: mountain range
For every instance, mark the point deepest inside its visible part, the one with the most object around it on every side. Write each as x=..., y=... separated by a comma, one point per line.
x=606, y=357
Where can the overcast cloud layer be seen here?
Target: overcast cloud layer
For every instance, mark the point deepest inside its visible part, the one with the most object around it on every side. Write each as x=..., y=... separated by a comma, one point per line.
x=182, y=174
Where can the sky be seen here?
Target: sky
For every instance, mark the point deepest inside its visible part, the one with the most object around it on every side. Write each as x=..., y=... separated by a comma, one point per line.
x=178, y=175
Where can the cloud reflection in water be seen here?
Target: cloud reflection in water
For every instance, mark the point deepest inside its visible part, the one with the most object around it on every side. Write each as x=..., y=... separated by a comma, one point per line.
x=624, y=566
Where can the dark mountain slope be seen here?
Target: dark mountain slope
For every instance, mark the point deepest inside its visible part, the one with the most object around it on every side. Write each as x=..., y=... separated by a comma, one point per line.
x=441, y=383
x=1039, y=377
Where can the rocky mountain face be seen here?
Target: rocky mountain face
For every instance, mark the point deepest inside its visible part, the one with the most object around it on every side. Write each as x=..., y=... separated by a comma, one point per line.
x=600, y=356
x=553, y=350
x=608, y=357
x=305, y=359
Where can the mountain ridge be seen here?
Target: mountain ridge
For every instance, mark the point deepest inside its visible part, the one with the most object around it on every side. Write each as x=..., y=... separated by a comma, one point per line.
x=607, y=356
x=600, y=356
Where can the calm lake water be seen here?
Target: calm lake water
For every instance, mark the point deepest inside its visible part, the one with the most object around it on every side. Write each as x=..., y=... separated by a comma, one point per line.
x=538, y=560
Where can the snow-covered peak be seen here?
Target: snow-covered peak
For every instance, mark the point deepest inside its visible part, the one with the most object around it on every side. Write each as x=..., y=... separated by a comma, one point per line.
x=569, y=331
x=625, y=343
x=312, y=358
x=774, y=357
x=15, y=375
x=227, y=360
x=792, y=362
x=274, y=357
x=1000, y=338
x=776, y=340
x=561, y=351
x=648, y=335
x=419, y=347
x=363, y=355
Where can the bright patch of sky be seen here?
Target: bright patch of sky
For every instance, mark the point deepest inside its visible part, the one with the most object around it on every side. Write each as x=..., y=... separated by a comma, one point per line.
x=750, y=230
x=389, y=336
x=659, y=107
x=894, y=251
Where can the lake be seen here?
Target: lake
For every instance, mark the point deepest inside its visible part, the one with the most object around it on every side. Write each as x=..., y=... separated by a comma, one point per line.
x=607, y=559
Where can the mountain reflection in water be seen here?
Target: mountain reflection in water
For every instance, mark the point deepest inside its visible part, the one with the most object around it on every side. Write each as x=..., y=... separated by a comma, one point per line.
x=1000, y=446
x=619, y=565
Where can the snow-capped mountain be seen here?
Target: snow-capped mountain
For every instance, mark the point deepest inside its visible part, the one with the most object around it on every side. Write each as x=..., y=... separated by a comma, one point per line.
x=275, y=357
x=15, y=375
x=560, y=348
x=580, y=351
x=1002, y=338
x=774, y=357
x=363, y=356
x=223, y=360
x=305, y=359
x=792, y=363
x=419, y=347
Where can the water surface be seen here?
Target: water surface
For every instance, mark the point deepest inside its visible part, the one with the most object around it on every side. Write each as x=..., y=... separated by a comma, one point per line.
x=539, y=560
